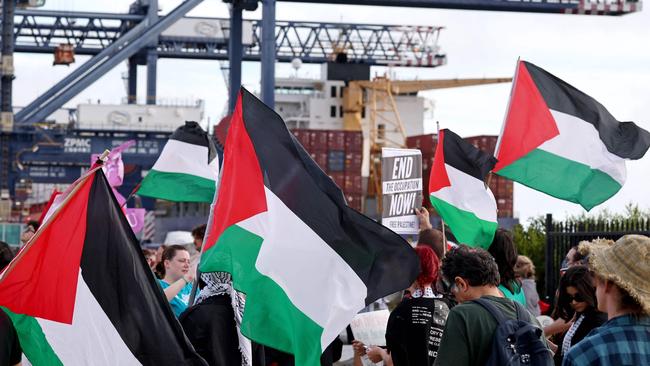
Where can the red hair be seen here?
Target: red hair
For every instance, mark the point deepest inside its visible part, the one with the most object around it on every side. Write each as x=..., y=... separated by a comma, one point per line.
x=429, y=265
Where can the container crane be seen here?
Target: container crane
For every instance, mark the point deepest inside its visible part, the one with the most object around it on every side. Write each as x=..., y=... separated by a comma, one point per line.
x=384, y=127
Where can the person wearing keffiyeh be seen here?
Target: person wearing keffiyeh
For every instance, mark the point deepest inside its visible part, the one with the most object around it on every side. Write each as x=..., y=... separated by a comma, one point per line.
x=213, y=323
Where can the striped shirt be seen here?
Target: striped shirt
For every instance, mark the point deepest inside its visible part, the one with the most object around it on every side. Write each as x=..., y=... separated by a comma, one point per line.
x=620, y=341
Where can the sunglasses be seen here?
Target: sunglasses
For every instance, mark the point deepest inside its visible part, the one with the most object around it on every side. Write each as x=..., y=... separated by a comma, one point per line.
x=577, y=298
x=446, y=286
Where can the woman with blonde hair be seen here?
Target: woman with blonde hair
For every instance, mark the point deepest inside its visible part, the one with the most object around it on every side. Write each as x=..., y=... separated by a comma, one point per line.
x=525, y=272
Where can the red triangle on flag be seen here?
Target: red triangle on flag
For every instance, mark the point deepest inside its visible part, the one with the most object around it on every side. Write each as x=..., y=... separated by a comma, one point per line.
x=48, y=266
x=439, y=178
x=241, y=188
x=529, y=122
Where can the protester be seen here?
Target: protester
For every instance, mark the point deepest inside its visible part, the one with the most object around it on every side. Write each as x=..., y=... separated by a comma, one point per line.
x=577, y=304
x=468, y=335
x=6, y=254
x=525, y=273
x=195, y=252
x=28, y=232
x=429, y=236
x=621, y=274
x=415, y=327
x=159, y=270
x=150, y=257
x=10, y=350
x=213, y=324
x=573, y=258
x=505, y=254
x=176, y=277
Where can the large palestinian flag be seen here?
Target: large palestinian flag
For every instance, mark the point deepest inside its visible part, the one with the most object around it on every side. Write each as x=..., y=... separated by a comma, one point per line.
x=81, y=293
x=187, y=168
x=306, y=261
x=458, y=192
x=558, y=140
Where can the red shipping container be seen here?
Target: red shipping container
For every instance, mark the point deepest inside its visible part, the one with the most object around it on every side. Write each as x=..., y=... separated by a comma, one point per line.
x=352, y=184
x=321, y=159
x=318, y=140
x=353, y=141
x=336, y=140
x=302, y=136
x=338, y=178
x=426, y=143
x=355, y=201
x=353, y=161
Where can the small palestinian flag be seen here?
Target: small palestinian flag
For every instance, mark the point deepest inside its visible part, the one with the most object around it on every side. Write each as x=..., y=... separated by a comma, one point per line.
x=560, y=141
x=187, y=169
x=81, y=293
x=306, y=261
x=458, y=192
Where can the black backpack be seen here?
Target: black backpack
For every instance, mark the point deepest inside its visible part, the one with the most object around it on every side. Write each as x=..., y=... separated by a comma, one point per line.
x=516, y=341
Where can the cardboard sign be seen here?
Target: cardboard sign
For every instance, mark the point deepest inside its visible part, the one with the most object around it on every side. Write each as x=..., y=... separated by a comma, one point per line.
x=370, y=327
x=401, y=171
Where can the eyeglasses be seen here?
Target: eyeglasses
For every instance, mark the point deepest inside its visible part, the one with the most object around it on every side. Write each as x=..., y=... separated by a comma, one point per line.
x=448, y=287
x=577, y=298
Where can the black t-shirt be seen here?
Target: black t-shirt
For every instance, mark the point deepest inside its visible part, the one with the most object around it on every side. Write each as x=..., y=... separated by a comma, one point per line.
x=415, y=329
x=10, y=351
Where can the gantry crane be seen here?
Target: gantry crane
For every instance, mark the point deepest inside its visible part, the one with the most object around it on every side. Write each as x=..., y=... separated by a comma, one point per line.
x=384, y=127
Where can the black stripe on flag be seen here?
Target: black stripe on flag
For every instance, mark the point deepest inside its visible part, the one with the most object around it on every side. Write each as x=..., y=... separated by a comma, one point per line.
x=192, y=133
x=122, y=283
x=466, y=157
x=624, y=139
x=382, y=259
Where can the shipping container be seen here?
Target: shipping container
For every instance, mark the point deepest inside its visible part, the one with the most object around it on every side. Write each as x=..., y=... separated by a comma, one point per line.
x=353, y=160
x=355, y=201
x=336, y=140
x=353, y=141
x=338, y=178
x=303, y=137
x=425, y=143
x=318, y=140
x=352, y=184
x=321, y=159
x=336, y=161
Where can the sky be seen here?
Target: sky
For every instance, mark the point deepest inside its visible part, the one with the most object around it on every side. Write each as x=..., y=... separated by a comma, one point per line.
x=605, y=57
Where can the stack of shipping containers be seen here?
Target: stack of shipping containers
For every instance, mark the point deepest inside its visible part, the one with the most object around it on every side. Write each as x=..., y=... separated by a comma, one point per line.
x=501, y=187
x=339, y=154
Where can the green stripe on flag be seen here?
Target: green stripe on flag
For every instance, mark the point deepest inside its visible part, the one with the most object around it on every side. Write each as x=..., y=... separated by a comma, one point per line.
x=270, y=318
x=177, y=187
x=32, y=340
x=466, y=226
x=562, y=178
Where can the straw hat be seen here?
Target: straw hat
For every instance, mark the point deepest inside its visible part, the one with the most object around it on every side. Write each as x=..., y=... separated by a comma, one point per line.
x=626, y=263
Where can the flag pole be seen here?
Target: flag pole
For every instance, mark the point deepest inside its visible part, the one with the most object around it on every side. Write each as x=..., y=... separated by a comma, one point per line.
x=442, y=221
x=137, y=186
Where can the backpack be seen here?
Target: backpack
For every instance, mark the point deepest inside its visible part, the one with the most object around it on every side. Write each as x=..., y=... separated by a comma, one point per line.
x=516, y=342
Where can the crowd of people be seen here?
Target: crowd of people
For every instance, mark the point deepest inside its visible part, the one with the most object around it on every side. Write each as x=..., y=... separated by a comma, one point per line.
x=467, y=306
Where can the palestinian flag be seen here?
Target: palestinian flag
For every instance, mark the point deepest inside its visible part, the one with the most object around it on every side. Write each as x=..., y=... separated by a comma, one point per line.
x=306, y=261
x=81, y=293
x=560, y=141
x=458, y=192
x=187, y=168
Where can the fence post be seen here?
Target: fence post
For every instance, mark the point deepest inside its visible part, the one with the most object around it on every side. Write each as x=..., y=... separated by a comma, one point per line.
x=549, y=276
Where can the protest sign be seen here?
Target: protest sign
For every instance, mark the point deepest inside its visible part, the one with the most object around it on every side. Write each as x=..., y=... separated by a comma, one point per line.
x=370, y=327
x=401, y=189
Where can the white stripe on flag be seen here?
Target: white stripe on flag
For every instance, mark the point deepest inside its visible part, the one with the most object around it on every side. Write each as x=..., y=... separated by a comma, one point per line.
x=579, y=141
x=91, y=339
x=315, y=278
x=181, y=157
x=468, y=194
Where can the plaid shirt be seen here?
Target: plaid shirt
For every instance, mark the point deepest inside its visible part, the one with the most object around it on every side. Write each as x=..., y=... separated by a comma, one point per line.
x=623, y=340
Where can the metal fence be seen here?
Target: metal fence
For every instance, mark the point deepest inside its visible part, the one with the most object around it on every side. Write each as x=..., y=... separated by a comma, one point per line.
x=561, y=236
